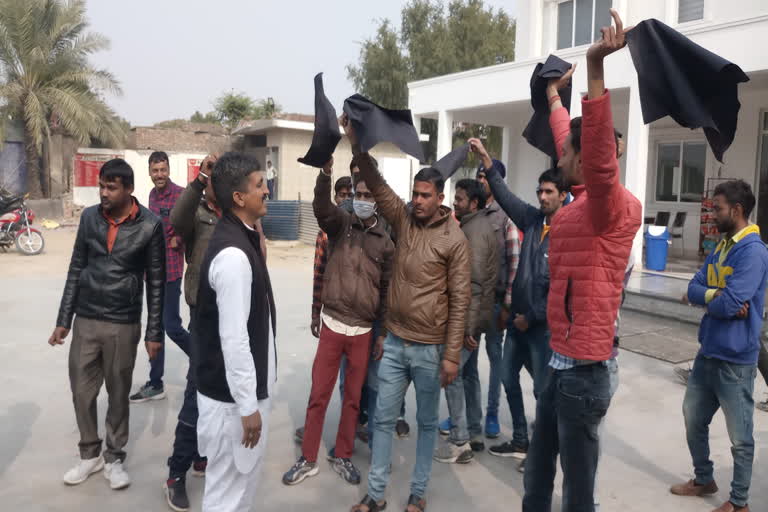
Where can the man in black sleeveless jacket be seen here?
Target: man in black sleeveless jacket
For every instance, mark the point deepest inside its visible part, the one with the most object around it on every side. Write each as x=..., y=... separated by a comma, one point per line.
x=233, y=348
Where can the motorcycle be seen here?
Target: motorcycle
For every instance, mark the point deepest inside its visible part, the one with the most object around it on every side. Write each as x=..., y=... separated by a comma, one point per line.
x=15, y=226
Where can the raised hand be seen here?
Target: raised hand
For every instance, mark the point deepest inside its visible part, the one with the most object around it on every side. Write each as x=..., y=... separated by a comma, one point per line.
x=614, y=39
x=557, y=84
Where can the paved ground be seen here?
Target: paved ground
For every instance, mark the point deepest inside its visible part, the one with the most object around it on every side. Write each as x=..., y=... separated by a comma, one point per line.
x=644, y=445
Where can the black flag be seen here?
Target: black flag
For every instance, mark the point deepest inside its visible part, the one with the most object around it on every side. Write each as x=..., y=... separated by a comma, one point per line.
x=451, y=162
x=679, y=78
x=326, y=136
x=538, y=133
x=373, y=124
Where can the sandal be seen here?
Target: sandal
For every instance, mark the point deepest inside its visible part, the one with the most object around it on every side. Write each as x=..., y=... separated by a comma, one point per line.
x=416, y=501
x=371, y=504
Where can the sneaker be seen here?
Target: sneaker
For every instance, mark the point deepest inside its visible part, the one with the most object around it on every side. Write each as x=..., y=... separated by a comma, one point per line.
x=492, y=429
x=298, y=436
x=118, y=478
x=450, y=453
x=147, y=392
x=299, y=471
x=509, y=449
x=445, y=427
x=176, y=494
x=521, y=466
x=199, y=467
x=346, y=470
x=691, y=488
x=83, y=469
x=402, y=428
x=477, y=444
x=683, y=374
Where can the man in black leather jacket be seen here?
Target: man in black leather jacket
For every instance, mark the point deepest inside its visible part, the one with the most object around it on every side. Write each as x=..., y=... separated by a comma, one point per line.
x=118, y=243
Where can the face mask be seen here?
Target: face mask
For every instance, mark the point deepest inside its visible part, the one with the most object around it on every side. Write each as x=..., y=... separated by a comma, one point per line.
x=363, y=209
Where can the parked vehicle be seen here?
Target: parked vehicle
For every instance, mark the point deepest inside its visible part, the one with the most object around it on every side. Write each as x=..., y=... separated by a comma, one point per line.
x=15, y=226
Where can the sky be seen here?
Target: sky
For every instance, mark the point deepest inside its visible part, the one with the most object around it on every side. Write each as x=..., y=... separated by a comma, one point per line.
x=173, y=57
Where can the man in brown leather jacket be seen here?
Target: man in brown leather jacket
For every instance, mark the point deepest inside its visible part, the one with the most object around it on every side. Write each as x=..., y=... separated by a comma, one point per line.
x=353, y=298
x=429, y=295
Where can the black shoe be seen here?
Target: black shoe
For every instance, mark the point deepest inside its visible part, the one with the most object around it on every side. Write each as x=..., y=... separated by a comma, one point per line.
x=346, y=470
x=176, y=494
x=510, y=449
x=477, y=444
x=299, y=471
x=402, y=429
x=298, y=436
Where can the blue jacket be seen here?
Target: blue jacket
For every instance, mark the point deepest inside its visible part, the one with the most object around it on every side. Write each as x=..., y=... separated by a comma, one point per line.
x=742, y=278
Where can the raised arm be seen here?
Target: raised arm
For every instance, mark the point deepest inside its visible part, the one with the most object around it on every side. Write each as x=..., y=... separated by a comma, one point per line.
x=559, y=118
x=389, y=204
x=329, y=217
x=183, y=212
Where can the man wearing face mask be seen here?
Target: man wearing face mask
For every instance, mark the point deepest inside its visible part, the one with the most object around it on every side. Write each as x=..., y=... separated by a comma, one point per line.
x=354, y=296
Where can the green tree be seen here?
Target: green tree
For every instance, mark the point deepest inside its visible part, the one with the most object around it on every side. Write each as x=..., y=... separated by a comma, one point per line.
x=46, y=81
x=232, y=107
x=199, y=117
x=266, y=109
x=434, y=40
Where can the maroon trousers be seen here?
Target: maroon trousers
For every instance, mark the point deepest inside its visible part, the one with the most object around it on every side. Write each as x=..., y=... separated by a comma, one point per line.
x=324, y=372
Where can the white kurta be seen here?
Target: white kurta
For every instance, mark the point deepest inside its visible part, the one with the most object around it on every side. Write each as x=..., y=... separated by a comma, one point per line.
x=232, y=474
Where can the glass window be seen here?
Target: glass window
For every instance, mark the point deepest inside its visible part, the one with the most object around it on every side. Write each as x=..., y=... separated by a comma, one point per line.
x=565, y=25
x=602, y=17
x=690, y=10
x=583, y=28
x=666, y=170
x=694, y=168
x=680, y=171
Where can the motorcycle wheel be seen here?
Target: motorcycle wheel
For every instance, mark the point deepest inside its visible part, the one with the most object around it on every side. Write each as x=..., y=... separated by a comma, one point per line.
x=30, y=242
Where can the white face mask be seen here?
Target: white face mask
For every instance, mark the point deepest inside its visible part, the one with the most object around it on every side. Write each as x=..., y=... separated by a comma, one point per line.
x=363, y=209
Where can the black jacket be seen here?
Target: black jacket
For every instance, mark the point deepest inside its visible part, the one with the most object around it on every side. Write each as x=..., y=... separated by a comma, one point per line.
x=207, y=356
x=108, y=286
x=531, y=285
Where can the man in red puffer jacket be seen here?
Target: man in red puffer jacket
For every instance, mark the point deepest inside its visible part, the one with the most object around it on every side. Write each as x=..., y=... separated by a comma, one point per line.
x=590, y=243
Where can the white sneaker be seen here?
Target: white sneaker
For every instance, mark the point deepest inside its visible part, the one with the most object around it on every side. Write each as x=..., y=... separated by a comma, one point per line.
x=83, y=469
x=118, y=478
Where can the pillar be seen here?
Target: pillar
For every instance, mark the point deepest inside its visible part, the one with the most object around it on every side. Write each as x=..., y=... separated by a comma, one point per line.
x=637, y=161
x=445, y=144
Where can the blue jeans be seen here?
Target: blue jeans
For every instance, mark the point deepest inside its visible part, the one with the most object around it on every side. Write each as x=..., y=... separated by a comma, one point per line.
x=465, y=424
x=271, y=188
x=568, y=413
x=185, y=439
x=472, y=394
x=174, y=330
x=613, y=379
x=529, y=349
x=405, y=362
x=493, y=347
x=371, y=389
x=716, y=384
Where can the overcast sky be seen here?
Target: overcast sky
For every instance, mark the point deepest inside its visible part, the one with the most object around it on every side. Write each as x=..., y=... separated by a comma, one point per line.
x=173, y=57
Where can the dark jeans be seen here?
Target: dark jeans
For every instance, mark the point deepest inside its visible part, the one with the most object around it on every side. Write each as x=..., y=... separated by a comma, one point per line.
x=568, y=413
x=174, y=330
x=271, y=187
x=529, y=349
x=185, y=441
x=716, y=384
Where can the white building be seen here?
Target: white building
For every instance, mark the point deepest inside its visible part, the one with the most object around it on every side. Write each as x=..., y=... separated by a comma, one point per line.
x=666, y=166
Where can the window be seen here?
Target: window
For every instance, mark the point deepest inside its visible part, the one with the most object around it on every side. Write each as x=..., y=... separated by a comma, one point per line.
x=680, y=170
x=690, y=10
x=579, y=21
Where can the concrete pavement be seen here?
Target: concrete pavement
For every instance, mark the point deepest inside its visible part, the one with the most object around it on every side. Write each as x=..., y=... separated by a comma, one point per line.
x=644, y=445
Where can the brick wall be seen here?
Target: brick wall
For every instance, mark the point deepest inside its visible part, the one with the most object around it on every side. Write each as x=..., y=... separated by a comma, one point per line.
x=172, y=139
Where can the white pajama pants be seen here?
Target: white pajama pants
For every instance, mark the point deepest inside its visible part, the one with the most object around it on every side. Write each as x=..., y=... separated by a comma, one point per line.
x=233, y=471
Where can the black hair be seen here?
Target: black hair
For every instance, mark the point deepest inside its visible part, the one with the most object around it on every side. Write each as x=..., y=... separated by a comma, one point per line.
x=117, y=168
x=230, y=174
x=554, y=176
x=431, y=175
x=158, y=156
x=343, y=182
x=474, y=191
x=576, y=135
x=737, y=192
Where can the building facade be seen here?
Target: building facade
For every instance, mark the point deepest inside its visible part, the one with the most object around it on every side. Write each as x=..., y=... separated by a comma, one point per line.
x=669, y=168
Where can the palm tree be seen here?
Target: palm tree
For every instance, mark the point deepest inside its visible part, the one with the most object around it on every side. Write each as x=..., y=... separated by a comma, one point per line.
x=46, y=81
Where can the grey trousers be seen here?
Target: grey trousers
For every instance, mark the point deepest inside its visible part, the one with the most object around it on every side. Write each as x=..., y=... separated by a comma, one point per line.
x=102, y=353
